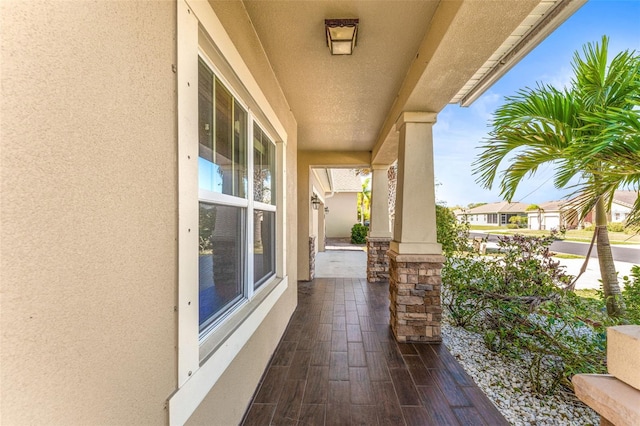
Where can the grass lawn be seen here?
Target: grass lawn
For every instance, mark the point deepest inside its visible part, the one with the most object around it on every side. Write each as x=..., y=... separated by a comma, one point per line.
x=568, y=256
x=588, y=294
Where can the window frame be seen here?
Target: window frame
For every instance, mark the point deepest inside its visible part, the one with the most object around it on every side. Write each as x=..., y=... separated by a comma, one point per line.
x=247, y=203
x=201, y=362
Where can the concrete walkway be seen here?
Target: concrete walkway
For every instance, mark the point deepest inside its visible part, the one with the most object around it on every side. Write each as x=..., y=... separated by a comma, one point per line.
x=344, y=263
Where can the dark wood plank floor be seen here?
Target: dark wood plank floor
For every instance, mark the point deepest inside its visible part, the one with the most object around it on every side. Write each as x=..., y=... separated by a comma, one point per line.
x=339, y=364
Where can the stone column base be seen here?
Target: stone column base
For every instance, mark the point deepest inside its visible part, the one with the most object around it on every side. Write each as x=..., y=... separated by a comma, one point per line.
x=377, y=259
x=414, y=292
x=312, y=257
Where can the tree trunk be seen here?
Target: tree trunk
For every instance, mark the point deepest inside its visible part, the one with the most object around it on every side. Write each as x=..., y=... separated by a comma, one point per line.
x=539, y=220
x=610, y=287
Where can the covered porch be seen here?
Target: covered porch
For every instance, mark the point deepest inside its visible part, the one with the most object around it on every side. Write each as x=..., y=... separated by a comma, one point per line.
x=338, y=363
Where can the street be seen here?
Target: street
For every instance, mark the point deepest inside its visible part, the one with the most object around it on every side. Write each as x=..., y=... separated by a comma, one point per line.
x=621, y=253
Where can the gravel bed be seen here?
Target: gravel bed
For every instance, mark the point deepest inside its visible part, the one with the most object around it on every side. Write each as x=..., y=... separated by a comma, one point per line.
x=505, y=383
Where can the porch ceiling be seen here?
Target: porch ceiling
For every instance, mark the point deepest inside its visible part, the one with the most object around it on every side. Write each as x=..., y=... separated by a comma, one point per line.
x=410, y=56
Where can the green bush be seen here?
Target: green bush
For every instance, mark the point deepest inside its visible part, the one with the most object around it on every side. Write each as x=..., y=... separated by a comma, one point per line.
x=615, y=227
x=518, y=221
x=518, y=302
x=359, y=234
x=453, y=236
x=631, y=294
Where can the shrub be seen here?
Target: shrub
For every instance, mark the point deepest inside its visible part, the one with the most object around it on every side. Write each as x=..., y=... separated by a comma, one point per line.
x=453, y=235
x=631, y=294
x=615, y=227
x=359, y=234
x=518, y=303
x=518, y=221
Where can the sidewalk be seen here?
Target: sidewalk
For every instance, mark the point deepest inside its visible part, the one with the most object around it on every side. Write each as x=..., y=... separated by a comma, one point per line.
x=591, y=277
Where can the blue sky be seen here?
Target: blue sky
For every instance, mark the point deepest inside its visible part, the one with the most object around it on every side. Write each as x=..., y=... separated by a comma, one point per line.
x=460, y=131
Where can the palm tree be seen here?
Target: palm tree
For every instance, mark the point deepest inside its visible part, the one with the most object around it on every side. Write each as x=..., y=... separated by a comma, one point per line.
x=364, y=200
x=559, y=127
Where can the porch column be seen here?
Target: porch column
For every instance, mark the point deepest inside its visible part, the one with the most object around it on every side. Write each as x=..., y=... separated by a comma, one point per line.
x=415, y=257
x=379, y=231
x=322, y=227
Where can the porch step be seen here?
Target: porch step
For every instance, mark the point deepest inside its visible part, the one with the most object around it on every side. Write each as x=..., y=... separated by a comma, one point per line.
x=613, y=399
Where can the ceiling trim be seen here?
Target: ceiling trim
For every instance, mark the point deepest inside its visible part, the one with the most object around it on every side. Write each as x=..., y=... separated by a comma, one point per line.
x=510, y=53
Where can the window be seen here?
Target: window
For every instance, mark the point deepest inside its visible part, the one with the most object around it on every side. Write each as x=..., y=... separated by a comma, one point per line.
x=227, y=281
x=492, y=218
x=264, y=246
x=264, y=219
x=220, y=260
x=263, y=167
x=222, y=123
x=228, y=254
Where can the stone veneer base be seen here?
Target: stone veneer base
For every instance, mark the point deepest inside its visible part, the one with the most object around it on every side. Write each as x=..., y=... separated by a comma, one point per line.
x=377, y=259
x=312, y=257
x=414, y=292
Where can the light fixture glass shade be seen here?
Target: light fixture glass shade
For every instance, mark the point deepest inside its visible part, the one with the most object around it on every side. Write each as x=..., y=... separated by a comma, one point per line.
x=315, y=202
x=341, y=35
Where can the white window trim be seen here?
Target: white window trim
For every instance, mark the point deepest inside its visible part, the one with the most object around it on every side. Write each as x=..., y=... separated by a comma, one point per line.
x=198, y=375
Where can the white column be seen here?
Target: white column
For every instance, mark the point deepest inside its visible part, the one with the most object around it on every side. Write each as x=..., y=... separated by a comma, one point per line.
x=415, y=217
x=379, y=226
x=321, y=227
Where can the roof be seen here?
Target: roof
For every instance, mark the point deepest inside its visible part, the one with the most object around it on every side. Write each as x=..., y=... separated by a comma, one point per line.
x=345, y=180
x=625, y=198
x=410, y=56
x=550, y=206
x=500, y=207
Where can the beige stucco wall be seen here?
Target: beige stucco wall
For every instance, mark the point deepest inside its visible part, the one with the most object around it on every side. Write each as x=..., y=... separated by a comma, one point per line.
x=88, y=216
x=343, y=214
x=227, y=401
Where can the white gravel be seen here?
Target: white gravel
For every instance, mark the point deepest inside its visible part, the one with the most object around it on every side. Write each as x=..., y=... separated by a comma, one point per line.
x=505, y=383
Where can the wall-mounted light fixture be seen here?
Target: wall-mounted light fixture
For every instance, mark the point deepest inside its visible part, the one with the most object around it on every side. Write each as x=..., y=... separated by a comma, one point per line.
x=315, y=202
x=341, y=35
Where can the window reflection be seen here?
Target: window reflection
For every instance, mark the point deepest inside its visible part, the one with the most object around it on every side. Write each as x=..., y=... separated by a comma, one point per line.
x=264, y=246
x=220, y=260
x=263, y=167
x=222, y=135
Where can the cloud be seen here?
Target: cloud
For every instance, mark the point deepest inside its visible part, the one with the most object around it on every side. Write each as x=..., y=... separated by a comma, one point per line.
x=560, y=79
x=486, y=105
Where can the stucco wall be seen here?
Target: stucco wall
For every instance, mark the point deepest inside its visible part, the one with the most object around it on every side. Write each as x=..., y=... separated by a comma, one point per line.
x=227, y=401
x=88, y=217
x=343, y=214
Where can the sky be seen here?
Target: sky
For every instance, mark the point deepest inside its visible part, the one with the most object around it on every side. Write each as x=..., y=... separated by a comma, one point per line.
x=459, y=131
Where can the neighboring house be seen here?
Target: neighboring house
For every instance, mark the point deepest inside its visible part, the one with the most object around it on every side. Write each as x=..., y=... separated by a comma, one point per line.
x=337, y=208
x=622, y=203
x=493, y=214
x=156, y=187
x=341, y=198
x=552, y=215
x=557, y=214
